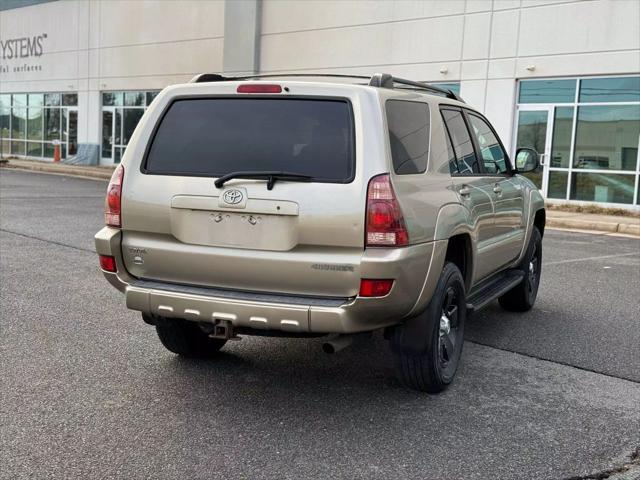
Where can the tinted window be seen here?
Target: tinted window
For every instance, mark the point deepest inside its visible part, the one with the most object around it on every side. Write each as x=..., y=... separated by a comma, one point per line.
x=462, y=144
x=493, y=156
x=607, y=137
x=453, y=86
x=408, y=135
x=619, y=89
x=213, y=137
x=453, y=164
x=547, y=91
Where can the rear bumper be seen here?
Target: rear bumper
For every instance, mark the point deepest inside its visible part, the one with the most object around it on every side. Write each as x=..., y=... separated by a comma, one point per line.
x=409, y=267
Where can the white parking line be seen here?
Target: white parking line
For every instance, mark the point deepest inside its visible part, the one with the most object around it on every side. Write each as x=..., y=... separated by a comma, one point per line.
x=591, y=258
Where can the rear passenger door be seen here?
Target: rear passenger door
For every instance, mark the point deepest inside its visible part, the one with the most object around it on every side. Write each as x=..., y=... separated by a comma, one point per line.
x=474, y=188
x=507, y=194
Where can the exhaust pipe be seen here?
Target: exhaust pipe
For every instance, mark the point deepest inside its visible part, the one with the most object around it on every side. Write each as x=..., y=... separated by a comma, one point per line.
x=337, y=343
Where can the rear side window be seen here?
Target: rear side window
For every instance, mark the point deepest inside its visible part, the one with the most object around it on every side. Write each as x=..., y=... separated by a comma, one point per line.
x=408, y=135
x=466, y=160
x=216, y=136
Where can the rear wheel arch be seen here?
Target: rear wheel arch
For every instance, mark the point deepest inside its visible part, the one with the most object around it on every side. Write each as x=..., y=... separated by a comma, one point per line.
x=539, y=220
x=460, y=253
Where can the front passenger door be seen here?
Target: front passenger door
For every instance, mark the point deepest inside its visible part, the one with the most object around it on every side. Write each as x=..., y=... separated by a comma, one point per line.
x=507, y=192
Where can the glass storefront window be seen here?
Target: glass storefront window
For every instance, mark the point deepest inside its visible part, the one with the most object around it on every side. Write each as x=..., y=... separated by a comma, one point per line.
x=17, y=147
x=5, y=122
x=561, y=142
x=557, y=184
x=134, y=99
x=70, y=99
x=34, y=124
x=18, y=123
x=619, y=89
x=453, y=86
x=52, y=124
x=547, y=91
x=593, y=143
x=151, y=96
x=52, y=99
x=19, y=99
x=110, y=99
x=107, y=133
x=131, y=118
x=117, y=137
x=5, y=146
x=34, y=149
x=36, y=118
x=36, y=99
x=607, y=137
x=602, y=187
x=118, y=154
x=48, y=150
x=121, y=112
x=532, y=133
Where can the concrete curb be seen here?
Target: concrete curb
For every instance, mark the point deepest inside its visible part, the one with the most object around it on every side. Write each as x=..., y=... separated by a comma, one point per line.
x=611, y=227
x=76, y=171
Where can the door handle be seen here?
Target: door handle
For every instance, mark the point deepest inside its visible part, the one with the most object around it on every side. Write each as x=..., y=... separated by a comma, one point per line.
x=542, y=159
x=497, y=189
x=464, y=191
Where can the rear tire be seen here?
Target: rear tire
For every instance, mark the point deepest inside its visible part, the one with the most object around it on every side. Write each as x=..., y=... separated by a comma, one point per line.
x=432, y=368
x=522, y=297
x=186, y=338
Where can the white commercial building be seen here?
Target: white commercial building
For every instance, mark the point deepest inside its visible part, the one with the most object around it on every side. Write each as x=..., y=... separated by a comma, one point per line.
x=560, y=76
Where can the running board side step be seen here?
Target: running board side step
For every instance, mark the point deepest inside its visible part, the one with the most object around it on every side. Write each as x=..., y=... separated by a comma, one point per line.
x=493, y=288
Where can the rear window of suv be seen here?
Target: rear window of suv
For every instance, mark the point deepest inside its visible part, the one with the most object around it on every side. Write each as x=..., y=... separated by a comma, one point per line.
x=216, y=136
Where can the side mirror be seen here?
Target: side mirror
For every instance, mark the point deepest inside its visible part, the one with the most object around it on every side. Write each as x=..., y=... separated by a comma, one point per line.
x=527, y=160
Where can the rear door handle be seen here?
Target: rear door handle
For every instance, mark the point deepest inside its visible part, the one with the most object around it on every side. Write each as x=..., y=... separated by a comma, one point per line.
x=497, y=189
x=464, y=191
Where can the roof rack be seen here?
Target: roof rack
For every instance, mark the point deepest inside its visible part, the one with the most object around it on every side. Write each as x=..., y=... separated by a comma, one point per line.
x=385, y=80
x=381, y=80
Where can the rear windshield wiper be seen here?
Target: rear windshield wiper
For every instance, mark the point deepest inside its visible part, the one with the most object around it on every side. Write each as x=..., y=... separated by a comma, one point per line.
x=270, y=176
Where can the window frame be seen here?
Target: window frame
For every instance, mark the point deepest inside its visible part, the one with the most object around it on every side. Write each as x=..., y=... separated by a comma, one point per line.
x=476, y=147
x=167, y=106
x=510, y=171
x=456, y=108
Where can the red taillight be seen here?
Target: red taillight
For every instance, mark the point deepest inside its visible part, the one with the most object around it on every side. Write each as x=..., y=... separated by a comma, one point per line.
x=375, y=288
x=107, y=263
x=259, y=88
x=385, y=223
x=112, y=202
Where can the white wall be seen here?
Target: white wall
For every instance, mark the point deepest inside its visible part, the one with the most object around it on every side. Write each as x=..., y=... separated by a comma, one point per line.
x=484, y=44
x=99, y=45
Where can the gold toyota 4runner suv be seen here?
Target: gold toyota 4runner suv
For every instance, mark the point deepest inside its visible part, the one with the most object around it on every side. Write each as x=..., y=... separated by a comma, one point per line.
x=321, y=205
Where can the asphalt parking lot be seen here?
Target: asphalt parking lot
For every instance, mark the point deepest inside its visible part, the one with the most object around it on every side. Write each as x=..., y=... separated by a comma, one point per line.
x=87, y=391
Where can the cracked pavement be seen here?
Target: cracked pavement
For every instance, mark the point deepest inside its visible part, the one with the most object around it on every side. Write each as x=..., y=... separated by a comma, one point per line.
x=87, y=391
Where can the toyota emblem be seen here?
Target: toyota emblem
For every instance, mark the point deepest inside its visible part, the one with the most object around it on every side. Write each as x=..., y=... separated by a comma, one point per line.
x=233, y=196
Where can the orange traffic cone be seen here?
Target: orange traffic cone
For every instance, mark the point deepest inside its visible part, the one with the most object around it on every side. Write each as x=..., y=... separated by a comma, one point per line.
x=56, y=152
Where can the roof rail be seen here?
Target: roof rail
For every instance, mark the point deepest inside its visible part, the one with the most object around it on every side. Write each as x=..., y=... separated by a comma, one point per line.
x=381, y=80
x=385, y=80
x=214, y=77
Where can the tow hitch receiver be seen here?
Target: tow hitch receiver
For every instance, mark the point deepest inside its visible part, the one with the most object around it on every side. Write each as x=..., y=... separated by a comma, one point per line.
x=223, y=330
